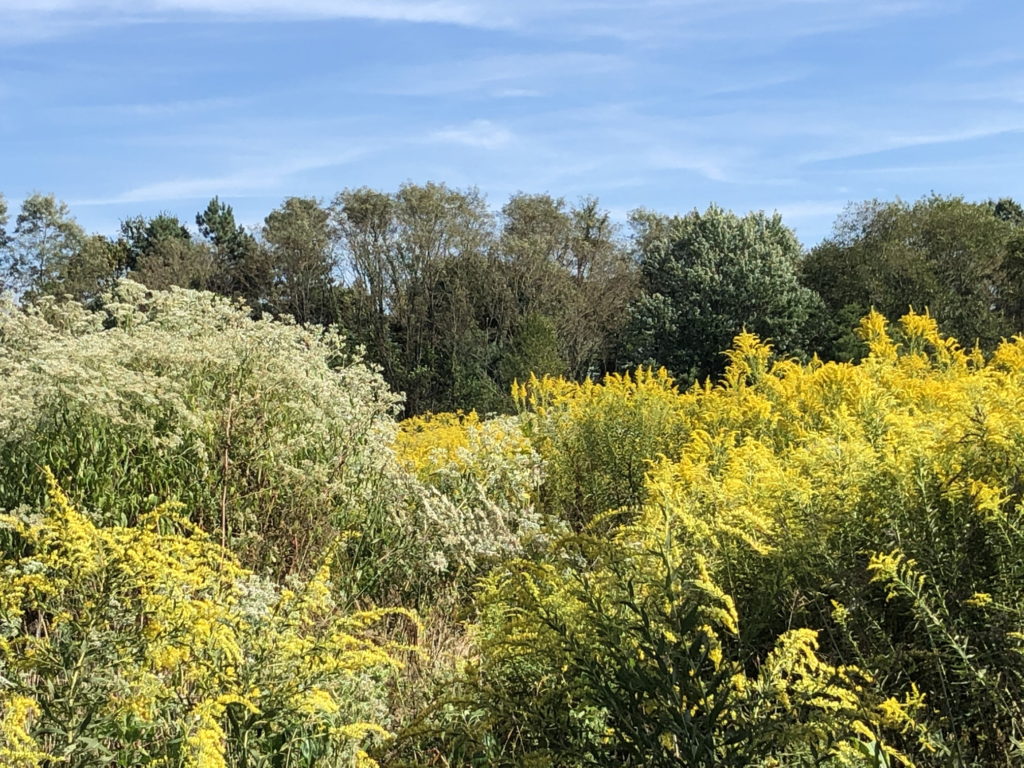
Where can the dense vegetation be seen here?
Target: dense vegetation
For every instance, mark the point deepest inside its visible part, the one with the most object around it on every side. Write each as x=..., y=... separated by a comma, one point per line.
x=454, y=301
x=222, y=546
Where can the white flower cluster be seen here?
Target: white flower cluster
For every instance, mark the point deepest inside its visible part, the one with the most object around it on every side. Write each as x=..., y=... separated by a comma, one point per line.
x=479, y=503
x=267, y=431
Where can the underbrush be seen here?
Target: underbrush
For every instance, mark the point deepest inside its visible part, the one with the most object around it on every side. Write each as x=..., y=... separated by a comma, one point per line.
x=219, y=549
x=824, y=566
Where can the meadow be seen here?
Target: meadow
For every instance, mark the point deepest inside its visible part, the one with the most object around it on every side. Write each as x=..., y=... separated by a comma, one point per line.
x=221, y=548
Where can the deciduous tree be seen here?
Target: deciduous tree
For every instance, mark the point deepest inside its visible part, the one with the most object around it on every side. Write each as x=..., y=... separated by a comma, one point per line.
x=707, y=276
x=46, y=238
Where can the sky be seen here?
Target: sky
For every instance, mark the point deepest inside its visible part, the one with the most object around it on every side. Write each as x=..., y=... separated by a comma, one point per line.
x=125, y=107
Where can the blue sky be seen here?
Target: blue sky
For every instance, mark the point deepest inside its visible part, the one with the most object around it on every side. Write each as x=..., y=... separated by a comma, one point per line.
x=123, y=107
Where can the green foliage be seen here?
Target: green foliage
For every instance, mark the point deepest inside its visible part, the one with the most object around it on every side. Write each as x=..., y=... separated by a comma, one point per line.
x=271, y=434
x=414, y=255
x=455, y=308
x=803, y=564
x=300, y=249
x=5, y=239
x=243, y=268
x=148, y=644
x=141, y=236
x=46, y=239
x=707, y=276
x=942, y=254
x=632, y=660
x=177, y=262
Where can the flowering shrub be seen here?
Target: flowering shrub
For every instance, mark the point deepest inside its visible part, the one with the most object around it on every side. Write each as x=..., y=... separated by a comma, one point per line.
x=481, y=480
x=799, y=565
x=150, y=644
x=272, y=435
x=598, y=440
x=824, y=567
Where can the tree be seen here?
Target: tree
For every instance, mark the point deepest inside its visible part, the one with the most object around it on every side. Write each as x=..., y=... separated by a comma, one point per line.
x=178, y=262
x=5, y=239
x=5, y=244
x=567, y=267
x=455, y=308
x=92, y=270
x=141, y=236
x=1012, y=272
x=704, y=278
x=160, y=252
x=942, y=254
x=364, y=222
x=533, y=246
x=243, y=268
x=301, y=248
x=603, y=283
x=535, y=240
x=46, y=238
x=411, y=255
x=1009, y=210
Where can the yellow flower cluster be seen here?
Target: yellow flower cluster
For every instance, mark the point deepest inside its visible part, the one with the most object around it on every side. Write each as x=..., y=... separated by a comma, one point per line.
x=17, y=747
x=132, y=639
x=425, y=443
x=788, y=495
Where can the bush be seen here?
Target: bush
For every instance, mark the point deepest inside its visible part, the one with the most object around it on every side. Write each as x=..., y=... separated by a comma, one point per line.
x=274, y=436
x=150, y=644
x=825, y=568
x=480, y=483
x=598, y=440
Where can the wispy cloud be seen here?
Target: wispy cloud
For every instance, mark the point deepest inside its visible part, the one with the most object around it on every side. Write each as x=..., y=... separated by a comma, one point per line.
x=516, y=73
x=479, y=133
x=887, y=142
x=258, y=179
x=635, y=21
x=146, y=110
x=26, y=21
x=776, y=21
x=989, y=59
x=431, y=11
x=663, y=103
x=702, y=162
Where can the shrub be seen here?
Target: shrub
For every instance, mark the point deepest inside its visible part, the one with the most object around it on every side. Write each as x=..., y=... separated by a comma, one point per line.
x=273, y=435
x=862, y=522
x=598, y=440
x=480, y=483
x=150, y=644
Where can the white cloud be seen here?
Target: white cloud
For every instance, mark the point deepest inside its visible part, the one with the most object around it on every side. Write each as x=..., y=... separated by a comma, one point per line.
x=640, y=20
x=154, y=109
x=479, y=133
x=698, y=161
x=989, y=59
x=26, y=21
x=516, y=72
x=884, y=142
x=515, y=93
x=439, y=11
x=261, y=178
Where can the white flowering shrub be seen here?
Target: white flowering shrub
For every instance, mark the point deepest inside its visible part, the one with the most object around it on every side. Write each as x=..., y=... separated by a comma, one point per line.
x=478, y=486
x=273, y=435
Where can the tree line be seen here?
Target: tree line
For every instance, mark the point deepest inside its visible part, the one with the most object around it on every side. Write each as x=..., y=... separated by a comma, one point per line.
x=454, y=300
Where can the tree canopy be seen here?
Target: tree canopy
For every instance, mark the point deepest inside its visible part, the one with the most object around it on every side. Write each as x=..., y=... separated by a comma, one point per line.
x=704, y=277
x=456, y=300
